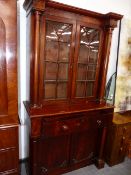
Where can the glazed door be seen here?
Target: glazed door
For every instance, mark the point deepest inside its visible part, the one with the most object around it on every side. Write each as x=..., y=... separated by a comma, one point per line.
x=57, y=59
x=87, y=61
x=50, y=155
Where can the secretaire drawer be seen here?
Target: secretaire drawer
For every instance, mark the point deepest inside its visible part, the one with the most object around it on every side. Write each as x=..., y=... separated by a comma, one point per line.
x=8, y=137
x=65, y=126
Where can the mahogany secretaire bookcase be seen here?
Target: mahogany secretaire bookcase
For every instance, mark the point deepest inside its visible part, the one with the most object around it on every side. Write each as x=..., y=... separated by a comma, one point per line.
x=68, y=51
x=9, y=157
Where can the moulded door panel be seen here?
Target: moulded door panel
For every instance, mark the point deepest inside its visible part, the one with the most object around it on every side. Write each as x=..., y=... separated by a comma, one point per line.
x=83, y=146
x=50, y=154
x=3, y=73
x=8, y=160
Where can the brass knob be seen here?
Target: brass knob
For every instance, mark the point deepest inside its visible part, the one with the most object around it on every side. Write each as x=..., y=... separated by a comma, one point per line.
x=44, y=170
x=99, y=122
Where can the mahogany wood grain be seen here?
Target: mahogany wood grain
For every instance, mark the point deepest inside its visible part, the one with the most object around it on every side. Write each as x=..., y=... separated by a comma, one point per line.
x=9, y=153
x=67, y=133
x=8, y=160
x=3, y=74
x=10, y=62
x=9, y=137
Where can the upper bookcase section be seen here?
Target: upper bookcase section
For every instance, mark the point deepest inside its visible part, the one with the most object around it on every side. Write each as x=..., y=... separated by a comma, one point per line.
x=70, y=52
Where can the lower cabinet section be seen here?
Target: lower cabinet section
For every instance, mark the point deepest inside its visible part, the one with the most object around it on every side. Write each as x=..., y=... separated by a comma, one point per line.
x=58, y=154
x=67, y=143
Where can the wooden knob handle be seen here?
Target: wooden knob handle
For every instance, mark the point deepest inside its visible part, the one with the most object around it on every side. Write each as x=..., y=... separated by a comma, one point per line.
x=121, y=149
x=65, y=127
x=78, y=124
x=123, y=138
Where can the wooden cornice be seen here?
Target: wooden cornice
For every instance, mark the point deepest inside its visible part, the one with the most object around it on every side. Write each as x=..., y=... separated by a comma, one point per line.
x=42, y=4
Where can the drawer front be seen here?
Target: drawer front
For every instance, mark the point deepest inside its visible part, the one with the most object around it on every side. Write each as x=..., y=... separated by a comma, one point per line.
x=8, y=137
x=8, y=160
x=67, y=126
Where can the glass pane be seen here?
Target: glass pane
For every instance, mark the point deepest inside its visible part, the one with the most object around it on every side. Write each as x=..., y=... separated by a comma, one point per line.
x=93, y=55
x=64, y=52
x=92, y=67
x=83, y=54
x=50, y=90
x=89, y=44
x=81, y=72
x=62, y=90
x=51, y=71
x=91, y=72
x=91, y=75
x=63, y=71
x=58, y=31
x=80, y=89
x=51, y=51
x=86, y=34
x=89, y=90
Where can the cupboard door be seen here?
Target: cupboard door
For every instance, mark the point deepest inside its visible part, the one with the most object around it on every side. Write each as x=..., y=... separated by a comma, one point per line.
x=49, y=155
x=86, y=61
x=83, y=147
x=59, y=35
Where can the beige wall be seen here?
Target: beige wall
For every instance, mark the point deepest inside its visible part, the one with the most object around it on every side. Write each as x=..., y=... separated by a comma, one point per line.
x=123, y=83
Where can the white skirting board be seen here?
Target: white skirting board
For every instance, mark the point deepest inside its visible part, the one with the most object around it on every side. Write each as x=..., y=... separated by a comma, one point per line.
x=23, y=141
